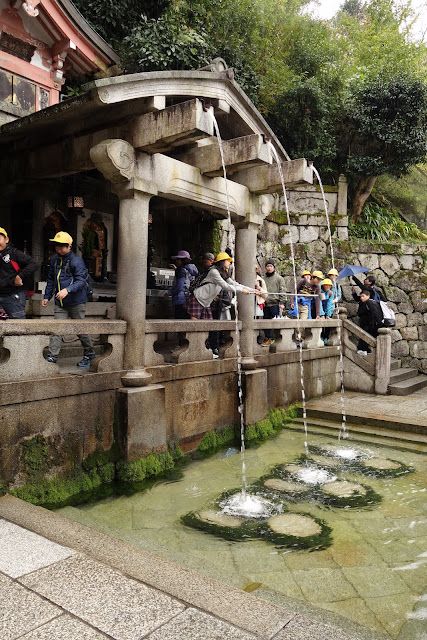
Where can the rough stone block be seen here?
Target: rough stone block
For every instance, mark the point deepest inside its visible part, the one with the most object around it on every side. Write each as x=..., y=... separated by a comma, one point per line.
x=143, y=418
x=389, y=264
x=410, y=280
x=406, y=262
x=419, y=301
x=399, y=349
x=401, y=320
x=409, y=333
x=308, y=234
x=415, y=319
x=422, y=332
x=255, y=402
x=395, y=335
x=395, y=294
x=315, y=251
x=405, y=307
x=418, y=349
x=294, y=235
x=369, y=260
x=381, y=278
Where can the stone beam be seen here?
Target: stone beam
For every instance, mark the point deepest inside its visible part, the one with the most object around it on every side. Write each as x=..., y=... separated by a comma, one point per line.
x=266, y=179
x=239, y=154
x=180, y=124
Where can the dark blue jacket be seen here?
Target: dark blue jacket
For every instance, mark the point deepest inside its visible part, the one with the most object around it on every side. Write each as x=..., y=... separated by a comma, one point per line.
x=67, y=272
x=183, y=278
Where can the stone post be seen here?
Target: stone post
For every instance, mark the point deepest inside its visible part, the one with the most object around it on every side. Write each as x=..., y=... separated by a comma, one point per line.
x=116, y=160
x=342, y=195
x=382, y=362
x=246, y=239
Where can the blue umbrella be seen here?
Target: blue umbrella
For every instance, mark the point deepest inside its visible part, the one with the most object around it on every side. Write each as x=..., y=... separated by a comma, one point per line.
x=351, y=270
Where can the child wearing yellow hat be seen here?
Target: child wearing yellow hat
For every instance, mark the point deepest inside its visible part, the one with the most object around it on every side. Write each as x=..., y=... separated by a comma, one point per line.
x=16, y=268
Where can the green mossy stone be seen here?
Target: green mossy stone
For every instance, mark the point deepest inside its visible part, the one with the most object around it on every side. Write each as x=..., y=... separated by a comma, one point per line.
x=219, y=518
x=381, y=464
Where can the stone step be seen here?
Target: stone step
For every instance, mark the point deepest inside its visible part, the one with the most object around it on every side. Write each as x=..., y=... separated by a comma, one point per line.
x=394, y=439
x=402, y=374
x=407, y=425
x=406, y=387
x=395, y=364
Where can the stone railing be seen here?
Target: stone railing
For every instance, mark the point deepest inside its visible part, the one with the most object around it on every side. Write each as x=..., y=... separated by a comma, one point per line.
x=179, y=341
x=373, y=369
x=22, y=343
x=285, y=334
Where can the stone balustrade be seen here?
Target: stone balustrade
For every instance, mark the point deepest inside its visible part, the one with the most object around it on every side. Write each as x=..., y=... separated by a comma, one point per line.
x=22, y=343
x=285, y=334
x=180, y=341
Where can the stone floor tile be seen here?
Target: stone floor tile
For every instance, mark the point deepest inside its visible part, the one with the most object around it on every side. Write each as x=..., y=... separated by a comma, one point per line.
x=120, y=606
x=392, y=611
x=64, y=628
x=324, y=584
x=196, y=625
x=374, y=582
x=300, y=628
x=304, y=560
x=354, y=609
x=21, y=610
x=349, y=553
x=23, y=551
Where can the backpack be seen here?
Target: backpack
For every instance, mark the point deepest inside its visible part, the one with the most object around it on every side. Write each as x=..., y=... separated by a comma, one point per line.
x=389, y=319
x=377, y=297
x=198, y=281
x=189, y=279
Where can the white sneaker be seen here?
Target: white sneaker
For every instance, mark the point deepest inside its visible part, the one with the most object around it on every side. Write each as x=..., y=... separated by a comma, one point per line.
x=362, y=353
x=215, y=356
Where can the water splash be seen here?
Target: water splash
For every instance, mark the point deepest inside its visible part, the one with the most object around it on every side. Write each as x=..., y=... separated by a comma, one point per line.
x=343, y=433
x=237, y=333
x=347, y=454
x=312, y=475
x=249, y=506
x=291, y=244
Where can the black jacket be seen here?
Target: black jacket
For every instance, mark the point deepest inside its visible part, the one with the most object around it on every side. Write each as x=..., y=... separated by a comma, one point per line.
x=372, y=291
x=370, y=315
x=26, y=265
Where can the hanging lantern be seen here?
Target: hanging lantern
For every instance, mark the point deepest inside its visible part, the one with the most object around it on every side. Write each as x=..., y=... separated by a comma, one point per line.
x=75, y=202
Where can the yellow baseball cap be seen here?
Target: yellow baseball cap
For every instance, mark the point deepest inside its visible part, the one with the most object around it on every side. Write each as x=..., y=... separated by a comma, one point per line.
x=223, y=256
x=327, y=281
x=333, y=272
x=318, y=274
x=306, y=273
x=3, y=232
x=62, y=238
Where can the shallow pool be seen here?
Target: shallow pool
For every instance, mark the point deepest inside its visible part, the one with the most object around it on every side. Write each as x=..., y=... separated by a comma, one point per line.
x=374, y=572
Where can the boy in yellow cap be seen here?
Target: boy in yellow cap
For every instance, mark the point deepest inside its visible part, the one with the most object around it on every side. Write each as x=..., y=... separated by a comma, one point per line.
x=336, y=288
x=67, y=281
x=16, y=267
x=309, y=287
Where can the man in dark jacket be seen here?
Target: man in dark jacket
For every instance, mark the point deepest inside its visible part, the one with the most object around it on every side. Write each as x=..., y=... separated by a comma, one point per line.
x=370, y=319
x=368, y=284
x=15, y=267
x=67, y=282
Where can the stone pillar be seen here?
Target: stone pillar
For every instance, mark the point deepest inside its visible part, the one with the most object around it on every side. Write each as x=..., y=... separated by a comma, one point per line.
x=116, y=160
x=132, y=279
x=246, y=239
x=382, y=362
x=342, y=195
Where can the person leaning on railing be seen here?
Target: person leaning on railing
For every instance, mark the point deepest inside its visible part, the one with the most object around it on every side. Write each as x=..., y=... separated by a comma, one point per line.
x=275, y=298
x=204, y=292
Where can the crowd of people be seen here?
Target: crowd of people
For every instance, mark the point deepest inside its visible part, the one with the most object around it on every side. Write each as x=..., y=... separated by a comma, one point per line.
x=206, y=295
x=209, y=295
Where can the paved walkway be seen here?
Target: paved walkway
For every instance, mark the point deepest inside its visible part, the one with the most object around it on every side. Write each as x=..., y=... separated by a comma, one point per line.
x=60, y=580
x=410, y=409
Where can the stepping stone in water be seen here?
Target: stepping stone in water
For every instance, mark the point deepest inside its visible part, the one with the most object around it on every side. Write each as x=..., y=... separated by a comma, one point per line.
x=284, y=485
x=220, y=519
x=381, y=463
x=343, y=489
x=293, y=524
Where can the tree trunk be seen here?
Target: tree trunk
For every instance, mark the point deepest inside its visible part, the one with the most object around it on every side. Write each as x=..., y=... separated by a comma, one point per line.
x=363, y=191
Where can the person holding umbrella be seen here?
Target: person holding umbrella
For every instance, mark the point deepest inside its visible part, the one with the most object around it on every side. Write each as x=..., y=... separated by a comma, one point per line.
x=368, y=284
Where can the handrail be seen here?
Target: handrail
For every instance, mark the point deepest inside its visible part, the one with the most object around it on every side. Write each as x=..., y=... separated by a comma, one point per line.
x=189, y=326
x=52, y=327
x=360, y=333
x=291, y=323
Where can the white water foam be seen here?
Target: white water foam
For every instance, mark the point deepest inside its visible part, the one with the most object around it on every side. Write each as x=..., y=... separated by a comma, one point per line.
x=312, y=475
x=249, y=506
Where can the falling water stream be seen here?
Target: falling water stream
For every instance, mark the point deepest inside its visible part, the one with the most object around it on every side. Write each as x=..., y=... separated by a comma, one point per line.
x=244, y=497
x=304, y=406
x=343, y=433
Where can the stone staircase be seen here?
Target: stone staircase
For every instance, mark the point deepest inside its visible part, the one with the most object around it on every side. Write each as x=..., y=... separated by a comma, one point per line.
x=403, y=380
